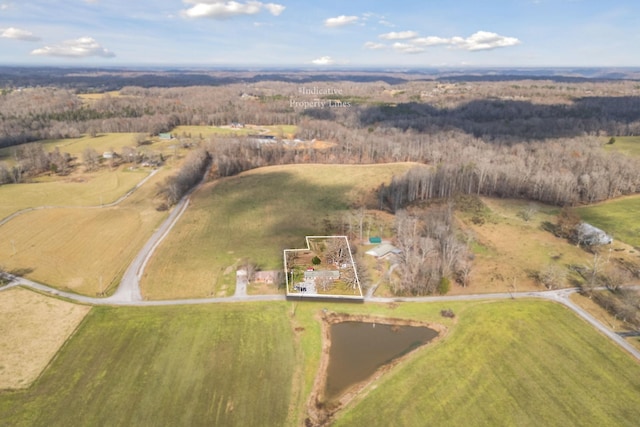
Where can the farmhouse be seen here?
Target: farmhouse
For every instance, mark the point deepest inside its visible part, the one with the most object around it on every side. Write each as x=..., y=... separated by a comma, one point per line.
x=383, y=251
x=590, y=235
x=268, y=277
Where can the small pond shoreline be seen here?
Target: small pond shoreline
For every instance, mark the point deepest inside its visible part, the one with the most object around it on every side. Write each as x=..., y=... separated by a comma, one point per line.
x=320, y=411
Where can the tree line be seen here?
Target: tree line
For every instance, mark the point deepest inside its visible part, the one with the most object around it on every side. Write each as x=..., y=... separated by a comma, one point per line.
x=504, y=112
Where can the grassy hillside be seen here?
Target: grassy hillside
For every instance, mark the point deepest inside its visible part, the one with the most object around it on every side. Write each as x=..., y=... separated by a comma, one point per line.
x=75, y=146
x=509, y=249
x=169, y=366
x=287, y=131
x=254, y=215
x=89, y=189
x=85, y=250
x=617, y=217
x=509, y=363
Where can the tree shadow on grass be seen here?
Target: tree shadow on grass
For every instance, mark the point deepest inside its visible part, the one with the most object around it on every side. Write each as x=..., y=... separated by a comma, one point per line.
x=284, y=206
x=21, y=272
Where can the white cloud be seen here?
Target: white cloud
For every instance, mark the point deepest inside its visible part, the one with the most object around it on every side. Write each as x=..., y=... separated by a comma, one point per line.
x=374, y=45
x=480, y=40
x=222, y=9
x=483, y=40
x=385, y=23
x=18, y=34
x=407, y=48
x=340, y=21
x=324, y=60
x=400, y=35
x=274, y=9
x=5, y=6
x=79, y=48
x=430, y=41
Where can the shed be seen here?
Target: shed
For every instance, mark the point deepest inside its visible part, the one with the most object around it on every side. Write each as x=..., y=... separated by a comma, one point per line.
x=376, y=240
x=165, y=136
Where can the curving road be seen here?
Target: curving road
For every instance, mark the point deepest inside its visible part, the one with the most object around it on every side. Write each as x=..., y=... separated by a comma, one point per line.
x=128, y=291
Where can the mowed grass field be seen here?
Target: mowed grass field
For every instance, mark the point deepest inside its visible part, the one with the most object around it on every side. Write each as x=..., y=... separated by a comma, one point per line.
x=84, y=250
x=226, y=365
x=525, y=363
x=75, y=146
x=287, y=131
x=87, y=189
x=629, y=145
x=81, y=188
x=510, y=362
x=254, y=216
x=620, y=218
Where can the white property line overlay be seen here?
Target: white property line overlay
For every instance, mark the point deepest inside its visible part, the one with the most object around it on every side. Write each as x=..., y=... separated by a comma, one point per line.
x=308, y=248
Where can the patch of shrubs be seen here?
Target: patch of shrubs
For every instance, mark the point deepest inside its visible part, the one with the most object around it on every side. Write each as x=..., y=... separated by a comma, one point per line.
x=447, y=313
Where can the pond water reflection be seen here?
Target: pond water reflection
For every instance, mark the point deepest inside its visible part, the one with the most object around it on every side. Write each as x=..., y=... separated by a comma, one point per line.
x=358, y=349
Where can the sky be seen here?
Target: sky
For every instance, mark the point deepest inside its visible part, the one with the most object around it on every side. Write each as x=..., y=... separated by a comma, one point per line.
x=321, y=34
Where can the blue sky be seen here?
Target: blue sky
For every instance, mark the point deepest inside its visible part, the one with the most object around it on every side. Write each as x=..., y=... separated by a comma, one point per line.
x=427, y=33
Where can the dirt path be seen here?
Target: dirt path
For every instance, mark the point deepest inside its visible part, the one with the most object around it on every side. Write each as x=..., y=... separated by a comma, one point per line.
x=108, y=205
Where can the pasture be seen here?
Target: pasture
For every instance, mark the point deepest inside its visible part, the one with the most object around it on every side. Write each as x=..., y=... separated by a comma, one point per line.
x=208, y=365
x=82, y=188
x=509, y=250
x=509, y=362
x=629, y=145
x=75, y=146
x=87, y=189
x=83, y=250
x=526, y=363
x=282, y=131
x=33, y=327
x=254, y=216
x=619, y=218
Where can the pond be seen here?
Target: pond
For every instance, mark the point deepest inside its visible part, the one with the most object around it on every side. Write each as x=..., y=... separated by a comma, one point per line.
x=358, y=349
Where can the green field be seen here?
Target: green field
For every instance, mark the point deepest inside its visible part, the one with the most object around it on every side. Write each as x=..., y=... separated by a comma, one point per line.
x=208, y=131
x=254, y=216
x=75, y=146
x=618, y=218
x=89, y=189
x=524, y=363
x=629, y=145
x=81, y=188
x=84, y=250
x=170, y=366
x=521, y=362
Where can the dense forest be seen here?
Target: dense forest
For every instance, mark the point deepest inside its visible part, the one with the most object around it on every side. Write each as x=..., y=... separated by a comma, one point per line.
x=531, y=138
x=535, y=139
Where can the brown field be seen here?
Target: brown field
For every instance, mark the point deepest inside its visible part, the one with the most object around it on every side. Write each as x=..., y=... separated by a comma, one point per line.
x=84, y=250
x=32, y=329
x=509, y=249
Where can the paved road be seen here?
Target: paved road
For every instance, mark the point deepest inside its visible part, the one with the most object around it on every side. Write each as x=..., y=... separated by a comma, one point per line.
x=128, y=292
x=561, y=296
x=129, y=288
